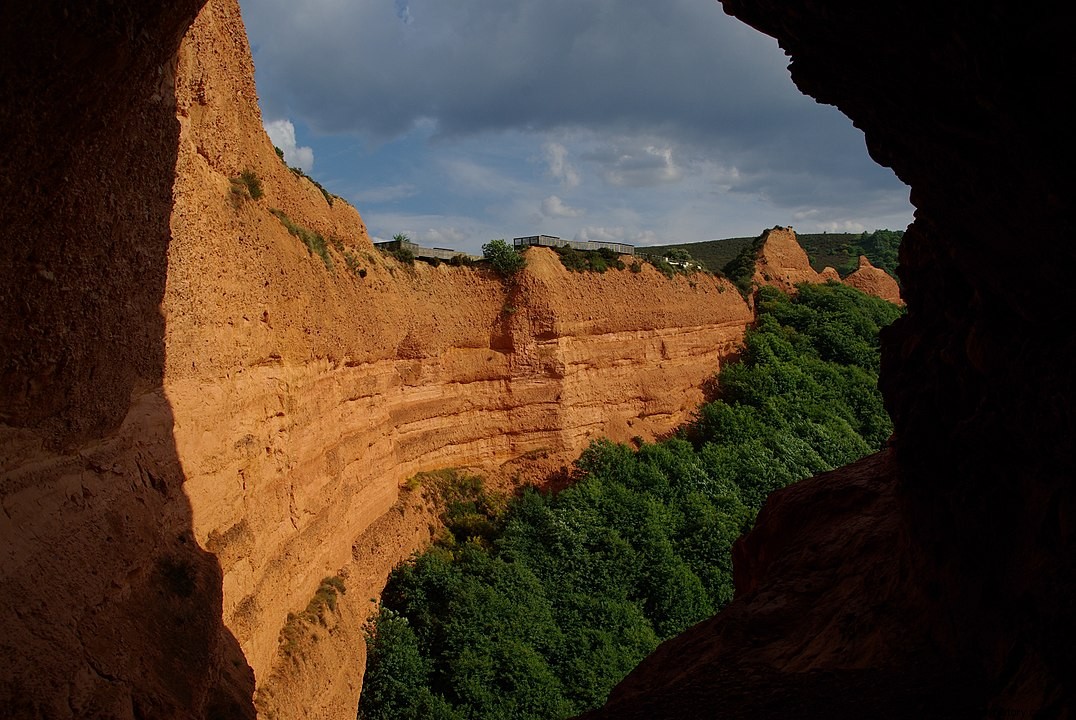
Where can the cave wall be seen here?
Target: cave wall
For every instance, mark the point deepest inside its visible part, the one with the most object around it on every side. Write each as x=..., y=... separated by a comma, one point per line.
x=109, y=607
x=960, y=99
x=961, y=604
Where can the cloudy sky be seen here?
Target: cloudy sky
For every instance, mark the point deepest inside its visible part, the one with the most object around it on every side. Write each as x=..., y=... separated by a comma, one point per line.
x=642, y=120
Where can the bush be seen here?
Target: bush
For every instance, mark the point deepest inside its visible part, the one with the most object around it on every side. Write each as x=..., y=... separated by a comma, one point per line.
x=662, y=267
x=741, y=269
x=503, y=258
x=589, y=260
x=353, y=264
x=404, y=255
x=252, y=183
x=246, y=185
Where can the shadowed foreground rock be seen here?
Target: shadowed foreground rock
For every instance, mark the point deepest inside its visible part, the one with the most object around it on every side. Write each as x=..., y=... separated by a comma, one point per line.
x=938, y=582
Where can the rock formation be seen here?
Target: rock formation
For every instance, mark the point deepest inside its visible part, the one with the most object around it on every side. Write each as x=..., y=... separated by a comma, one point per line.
x=782, y=262
x=874, y=281
x=936, y=579
x=201, y=419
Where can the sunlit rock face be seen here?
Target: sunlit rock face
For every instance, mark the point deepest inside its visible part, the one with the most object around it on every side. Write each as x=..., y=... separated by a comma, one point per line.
x=109, y=607
x=200, y=419
x=156, y=329
x=781, y=262
x=962, y=604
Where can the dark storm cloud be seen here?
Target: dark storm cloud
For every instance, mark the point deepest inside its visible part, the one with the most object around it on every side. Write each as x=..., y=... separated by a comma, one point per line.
x=379, y=66
x=641, y=116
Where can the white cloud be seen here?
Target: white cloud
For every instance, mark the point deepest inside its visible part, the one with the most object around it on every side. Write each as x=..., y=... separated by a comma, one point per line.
x=468, y=176
x=616, y=234
x=282, y=133
x=636, y=167
x=686, y=118
x=844, y=226
x=559, y=167
x=553, y=206
x=440, y=237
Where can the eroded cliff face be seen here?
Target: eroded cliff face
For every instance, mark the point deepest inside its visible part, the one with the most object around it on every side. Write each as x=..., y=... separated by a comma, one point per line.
x=960, y=605
x=179, y=476
x=109, y=607
x=782, y=262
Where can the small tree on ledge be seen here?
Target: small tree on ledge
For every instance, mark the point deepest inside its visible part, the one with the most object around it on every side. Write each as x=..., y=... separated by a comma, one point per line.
x=503, y=257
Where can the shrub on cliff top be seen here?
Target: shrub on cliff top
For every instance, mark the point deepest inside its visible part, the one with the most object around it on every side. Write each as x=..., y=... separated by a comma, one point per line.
x=503, y=257
x=589, y=260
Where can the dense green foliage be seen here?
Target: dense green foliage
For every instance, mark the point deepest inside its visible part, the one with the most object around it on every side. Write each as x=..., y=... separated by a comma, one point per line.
x=713, y=254
x=841, y=251
x=537, y=608
x=589, y=260
x=503, y=258
x=741, y=268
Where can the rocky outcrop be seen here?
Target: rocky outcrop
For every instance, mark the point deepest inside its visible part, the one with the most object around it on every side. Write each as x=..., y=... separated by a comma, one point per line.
x=970, y=577
x=781, y=262
x=821, y=641
x=202, y=419
x=874, y=281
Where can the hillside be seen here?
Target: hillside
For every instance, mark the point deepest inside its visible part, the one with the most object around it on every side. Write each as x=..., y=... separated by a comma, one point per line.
x=713, y=254
x=840, y=251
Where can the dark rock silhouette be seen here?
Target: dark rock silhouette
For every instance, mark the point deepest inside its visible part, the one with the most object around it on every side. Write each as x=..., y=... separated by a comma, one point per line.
x=937, y=579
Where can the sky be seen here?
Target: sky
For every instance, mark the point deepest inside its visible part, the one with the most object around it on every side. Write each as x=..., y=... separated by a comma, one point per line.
x=643, y=121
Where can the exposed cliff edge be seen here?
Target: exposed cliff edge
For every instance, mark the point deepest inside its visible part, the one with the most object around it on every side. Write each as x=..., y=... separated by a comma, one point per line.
x=181, y=474
x=111, y=608
x=782, y=262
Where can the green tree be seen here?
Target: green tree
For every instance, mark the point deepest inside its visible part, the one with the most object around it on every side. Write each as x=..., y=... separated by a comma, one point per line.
x=503, y=257
x=537, y=607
